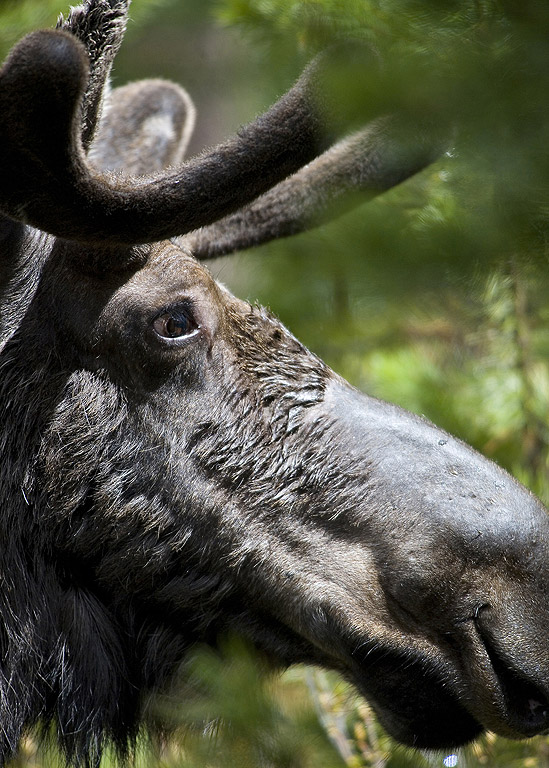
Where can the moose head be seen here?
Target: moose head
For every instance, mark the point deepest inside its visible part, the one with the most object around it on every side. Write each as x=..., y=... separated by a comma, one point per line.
x=175, y=464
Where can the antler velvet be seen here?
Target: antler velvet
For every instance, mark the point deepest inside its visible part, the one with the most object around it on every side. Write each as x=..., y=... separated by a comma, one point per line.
x=277, y=176
x=367, y=162
x=100, y=26
x=47, y=181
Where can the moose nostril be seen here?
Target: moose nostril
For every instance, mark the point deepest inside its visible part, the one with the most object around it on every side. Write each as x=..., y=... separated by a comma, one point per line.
x=538, y=709
x=526, y=704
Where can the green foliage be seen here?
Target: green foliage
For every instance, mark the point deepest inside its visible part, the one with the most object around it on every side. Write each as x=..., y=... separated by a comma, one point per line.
x=468, y=65
x=17, y=17
x=251, y=718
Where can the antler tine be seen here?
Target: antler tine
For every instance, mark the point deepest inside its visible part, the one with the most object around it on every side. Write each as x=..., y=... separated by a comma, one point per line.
x=48, y=183
x=369, y=161
x=100, y=26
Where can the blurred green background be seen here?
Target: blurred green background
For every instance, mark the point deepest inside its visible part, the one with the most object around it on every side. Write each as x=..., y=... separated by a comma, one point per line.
x=434, y=296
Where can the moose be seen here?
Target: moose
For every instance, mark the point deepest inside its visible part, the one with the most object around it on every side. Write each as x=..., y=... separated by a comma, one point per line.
x=176, y=465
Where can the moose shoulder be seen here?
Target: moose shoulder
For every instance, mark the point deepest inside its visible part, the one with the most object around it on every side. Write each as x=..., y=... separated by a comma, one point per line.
x=176, y=464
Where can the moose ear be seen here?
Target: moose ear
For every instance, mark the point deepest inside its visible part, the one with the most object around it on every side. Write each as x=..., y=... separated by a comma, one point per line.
x=145, y=128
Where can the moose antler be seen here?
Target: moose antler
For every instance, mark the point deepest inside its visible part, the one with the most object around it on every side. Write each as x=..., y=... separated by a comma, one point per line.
x=100, y=26
x=367, y=162
x=47, y=95
x=48, y=183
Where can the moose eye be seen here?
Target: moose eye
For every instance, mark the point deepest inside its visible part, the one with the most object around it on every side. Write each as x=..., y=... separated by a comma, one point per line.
x=177, y=323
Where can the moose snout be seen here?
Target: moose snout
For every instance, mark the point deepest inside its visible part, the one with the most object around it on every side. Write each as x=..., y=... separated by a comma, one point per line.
x=461, y=551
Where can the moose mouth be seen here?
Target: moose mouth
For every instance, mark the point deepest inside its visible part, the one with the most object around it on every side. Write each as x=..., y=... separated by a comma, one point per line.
x=415, y=705
x=418, y=705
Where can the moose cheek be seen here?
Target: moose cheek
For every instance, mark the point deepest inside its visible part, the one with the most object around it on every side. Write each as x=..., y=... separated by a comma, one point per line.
x=172, y=373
